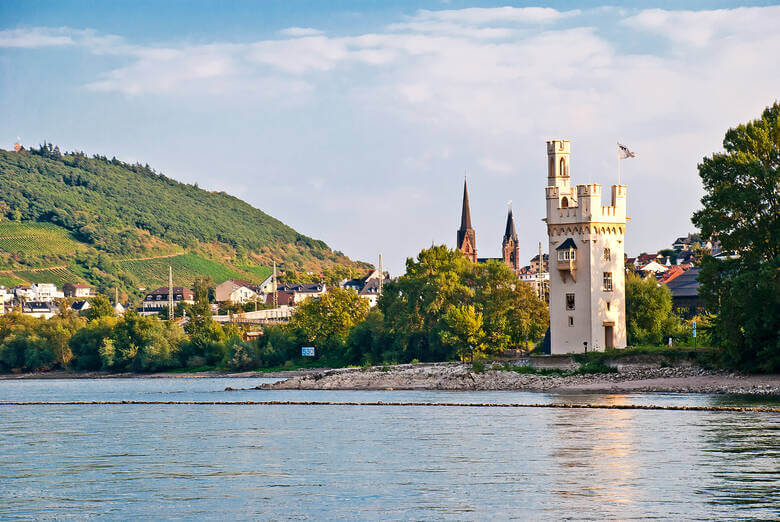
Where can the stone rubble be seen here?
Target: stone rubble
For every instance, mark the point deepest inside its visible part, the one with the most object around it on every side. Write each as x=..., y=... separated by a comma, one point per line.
x=458, y=376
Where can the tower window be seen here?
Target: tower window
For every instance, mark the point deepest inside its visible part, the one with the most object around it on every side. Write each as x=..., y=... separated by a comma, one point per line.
x=570, y=301
x=562, y=167
x=609, y=306
x=607, y=281
x=564, y=202
x=571, y=321
x=607, y=255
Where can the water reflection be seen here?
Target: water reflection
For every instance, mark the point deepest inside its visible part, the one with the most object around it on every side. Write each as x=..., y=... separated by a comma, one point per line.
x=244, y=462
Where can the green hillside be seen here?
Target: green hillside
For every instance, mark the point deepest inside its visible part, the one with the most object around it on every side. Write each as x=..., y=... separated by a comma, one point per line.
x=98, y=220
x=186, y=268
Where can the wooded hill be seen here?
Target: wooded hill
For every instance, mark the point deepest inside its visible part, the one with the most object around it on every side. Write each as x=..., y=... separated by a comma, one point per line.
x=114, y=224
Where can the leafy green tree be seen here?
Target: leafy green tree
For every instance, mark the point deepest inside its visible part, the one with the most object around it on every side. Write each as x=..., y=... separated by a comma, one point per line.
x=741, y=207
x=513, y=314
x=327, y=321
x=415, y=304
x=99, y=306
x=463, y=331
x=87, y=342
x=142, y=344
x=649, y=316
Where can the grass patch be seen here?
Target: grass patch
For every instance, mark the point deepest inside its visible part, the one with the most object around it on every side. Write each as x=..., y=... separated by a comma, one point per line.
x=584, y=369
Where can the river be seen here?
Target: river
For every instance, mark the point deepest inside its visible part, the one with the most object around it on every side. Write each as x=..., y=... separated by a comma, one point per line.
x=364, y=462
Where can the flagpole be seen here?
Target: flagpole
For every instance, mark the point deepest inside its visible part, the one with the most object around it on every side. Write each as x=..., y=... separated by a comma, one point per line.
x=618, y=160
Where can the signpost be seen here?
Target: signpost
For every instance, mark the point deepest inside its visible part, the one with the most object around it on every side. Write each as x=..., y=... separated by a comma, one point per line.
x=307, y=351
x=694, y=335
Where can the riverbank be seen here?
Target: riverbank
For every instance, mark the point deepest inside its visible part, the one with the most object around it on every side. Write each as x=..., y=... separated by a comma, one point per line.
x=629, y=378
x=60, y=374
x=462, y=377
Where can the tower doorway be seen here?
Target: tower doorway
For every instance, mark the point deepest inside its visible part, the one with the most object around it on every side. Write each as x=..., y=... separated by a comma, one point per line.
x=609, y=336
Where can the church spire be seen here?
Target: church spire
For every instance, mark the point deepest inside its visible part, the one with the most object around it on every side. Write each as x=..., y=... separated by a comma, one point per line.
x=510, y=232
x=467, y=237
x=465, y=218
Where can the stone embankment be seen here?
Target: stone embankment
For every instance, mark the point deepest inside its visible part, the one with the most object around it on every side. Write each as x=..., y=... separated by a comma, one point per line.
x=456, y=376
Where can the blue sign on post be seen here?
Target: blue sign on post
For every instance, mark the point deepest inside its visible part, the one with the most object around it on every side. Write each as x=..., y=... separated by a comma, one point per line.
x=694, y=328
x=307, y=351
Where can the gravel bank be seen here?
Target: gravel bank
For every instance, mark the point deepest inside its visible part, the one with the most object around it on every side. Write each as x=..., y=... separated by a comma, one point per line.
x=457, y=376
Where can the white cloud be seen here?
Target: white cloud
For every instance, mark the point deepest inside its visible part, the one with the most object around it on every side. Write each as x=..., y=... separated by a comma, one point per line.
x=35, y=37
x=701, y=28
x=487, y=15
x=300, y=31
x=443, y=90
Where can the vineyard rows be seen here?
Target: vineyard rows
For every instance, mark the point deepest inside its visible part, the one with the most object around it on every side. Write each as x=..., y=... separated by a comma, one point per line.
x=36, y=239
x=186, y=269
x=59, y=276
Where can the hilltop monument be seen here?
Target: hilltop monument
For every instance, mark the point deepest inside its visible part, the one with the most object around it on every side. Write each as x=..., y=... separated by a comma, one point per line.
x=587, y=272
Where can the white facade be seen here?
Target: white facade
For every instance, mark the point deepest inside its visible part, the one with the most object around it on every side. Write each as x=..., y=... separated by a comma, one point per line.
x=587, y=273
x=234, y=292
x=45, y=292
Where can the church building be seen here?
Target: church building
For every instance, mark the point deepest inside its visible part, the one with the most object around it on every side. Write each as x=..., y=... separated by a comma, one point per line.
x=587, y=274
x=467, y=238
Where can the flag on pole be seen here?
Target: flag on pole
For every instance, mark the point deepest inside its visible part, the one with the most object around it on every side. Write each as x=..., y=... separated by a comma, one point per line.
x=623, y=152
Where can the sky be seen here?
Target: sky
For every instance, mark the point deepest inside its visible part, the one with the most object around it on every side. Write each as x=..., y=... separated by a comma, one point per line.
x=355, y=122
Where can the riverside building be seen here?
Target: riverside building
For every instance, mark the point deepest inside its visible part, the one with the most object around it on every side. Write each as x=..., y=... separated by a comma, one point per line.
x=586, y=248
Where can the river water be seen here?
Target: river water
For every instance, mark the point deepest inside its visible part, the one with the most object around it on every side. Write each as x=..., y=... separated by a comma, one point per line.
x=363, y=462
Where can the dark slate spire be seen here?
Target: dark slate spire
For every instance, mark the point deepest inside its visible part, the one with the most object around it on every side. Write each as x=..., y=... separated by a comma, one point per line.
x=465, y=218
x=510, y=232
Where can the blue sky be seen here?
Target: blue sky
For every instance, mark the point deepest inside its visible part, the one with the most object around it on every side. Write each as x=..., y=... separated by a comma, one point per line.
x=354, y=122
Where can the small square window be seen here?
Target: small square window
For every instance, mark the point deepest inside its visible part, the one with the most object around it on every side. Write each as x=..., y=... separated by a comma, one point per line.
x=570, y=301
x=571, y=321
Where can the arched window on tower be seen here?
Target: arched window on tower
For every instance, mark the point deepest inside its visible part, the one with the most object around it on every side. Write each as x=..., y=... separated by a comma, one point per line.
x=563, y=168
x=564, y=202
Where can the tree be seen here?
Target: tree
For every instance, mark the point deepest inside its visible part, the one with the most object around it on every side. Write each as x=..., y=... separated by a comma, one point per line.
x=741, y=206
x=415, y=304
x=463, y=331
x=327, y=321
x=99, y=307
x=649, y=316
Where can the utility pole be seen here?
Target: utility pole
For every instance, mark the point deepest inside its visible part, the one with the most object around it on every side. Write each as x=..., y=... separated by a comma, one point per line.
x=381, y=275
x=273, y=287
x=539, y=277
x=170, y=293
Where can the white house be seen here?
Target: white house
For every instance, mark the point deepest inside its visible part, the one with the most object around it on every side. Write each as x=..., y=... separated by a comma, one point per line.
x=45, y=292
x=586, y=247
x=237, y=291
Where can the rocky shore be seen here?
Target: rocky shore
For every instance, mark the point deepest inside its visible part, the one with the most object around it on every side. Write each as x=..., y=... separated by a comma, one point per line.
x=456, y=376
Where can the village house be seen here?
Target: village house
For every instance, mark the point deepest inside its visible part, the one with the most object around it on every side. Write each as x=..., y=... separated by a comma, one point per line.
x=45, y=292
x=237, y=291
x=77, y=290
x=45, y=310
x=80, y=306
x=156, y=301
x=367, y=287
x=302, y=291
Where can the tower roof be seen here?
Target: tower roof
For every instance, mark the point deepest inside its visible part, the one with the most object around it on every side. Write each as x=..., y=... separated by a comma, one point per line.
x=465, y=218
x=510, y=232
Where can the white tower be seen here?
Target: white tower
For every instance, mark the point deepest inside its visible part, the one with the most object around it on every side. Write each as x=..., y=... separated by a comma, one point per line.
x=587, y=270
